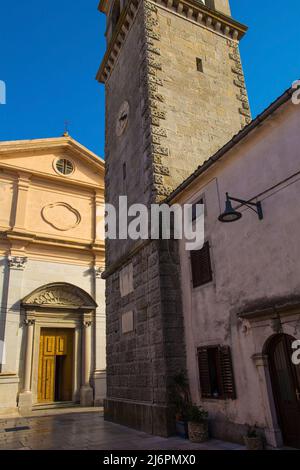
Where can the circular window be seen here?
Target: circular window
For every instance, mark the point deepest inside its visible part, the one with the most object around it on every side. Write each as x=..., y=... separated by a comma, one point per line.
x=64, y=166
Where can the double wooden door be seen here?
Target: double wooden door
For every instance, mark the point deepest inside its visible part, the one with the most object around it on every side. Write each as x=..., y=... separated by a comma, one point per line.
x=55, y=365
x=285, y=378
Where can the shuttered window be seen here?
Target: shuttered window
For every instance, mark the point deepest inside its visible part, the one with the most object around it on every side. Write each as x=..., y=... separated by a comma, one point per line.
x=216, y=372
x=201, y=266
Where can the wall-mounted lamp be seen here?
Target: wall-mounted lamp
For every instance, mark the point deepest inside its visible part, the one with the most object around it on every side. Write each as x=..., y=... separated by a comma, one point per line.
x=231, y=215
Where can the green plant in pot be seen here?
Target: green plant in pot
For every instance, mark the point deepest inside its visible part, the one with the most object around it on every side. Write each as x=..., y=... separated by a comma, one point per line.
x=253, y=439
x=197, y=424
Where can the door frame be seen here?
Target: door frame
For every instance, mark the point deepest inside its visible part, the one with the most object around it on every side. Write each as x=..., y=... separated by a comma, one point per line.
x=64, y=321
x=272, y=343
x=58, y=305
x=262, y=323
x=56, y=332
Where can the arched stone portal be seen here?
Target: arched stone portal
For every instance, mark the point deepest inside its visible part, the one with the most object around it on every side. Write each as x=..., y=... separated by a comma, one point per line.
x=57, y=311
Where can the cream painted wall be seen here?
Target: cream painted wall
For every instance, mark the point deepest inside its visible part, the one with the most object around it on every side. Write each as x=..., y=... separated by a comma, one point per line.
x=35, y=275
x=60, y=244
x=253, y=262
x=41, y=197
x=6, y=198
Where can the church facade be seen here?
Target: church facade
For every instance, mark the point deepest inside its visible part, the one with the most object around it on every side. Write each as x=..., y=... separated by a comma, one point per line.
x=52, y=319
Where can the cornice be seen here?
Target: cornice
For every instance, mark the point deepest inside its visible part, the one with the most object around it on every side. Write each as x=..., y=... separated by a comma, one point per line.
x=192, y=10
x=201, y=14
x=114, y=46
x=31, y=238
x=54, y=179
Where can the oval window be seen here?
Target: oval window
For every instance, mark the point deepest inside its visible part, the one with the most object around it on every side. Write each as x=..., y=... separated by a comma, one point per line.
x=65, y=167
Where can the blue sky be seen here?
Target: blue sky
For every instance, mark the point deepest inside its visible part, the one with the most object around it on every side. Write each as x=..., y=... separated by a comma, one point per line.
x=51, y=50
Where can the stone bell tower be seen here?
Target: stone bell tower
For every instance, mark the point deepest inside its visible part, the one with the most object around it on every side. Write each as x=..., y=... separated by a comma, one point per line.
x=175, y=93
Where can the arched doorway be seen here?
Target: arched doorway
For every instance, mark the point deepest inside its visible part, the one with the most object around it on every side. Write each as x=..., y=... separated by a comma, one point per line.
x=285, y=379
x=59, y=320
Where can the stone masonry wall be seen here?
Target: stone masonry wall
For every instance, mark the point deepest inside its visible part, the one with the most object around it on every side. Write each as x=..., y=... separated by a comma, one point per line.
x=124, y=85
x=193, y=113
x=178, y=118
x=140, y=361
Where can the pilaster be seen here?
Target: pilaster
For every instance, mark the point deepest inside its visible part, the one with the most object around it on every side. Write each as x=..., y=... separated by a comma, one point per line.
x=23, y=186
x=25, y=397
x=99, y=375
x=86, y=391
x=272, y=431
x=11, y=310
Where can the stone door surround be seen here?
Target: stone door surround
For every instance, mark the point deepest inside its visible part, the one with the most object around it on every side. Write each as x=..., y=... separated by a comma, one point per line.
x=58, y=305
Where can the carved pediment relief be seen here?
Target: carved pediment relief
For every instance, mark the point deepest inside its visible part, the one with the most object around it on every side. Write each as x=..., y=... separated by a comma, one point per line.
x=59, y=295
x=61, y=216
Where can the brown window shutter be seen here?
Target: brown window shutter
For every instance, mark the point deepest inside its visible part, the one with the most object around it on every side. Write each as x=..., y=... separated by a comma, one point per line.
x=204, y=372
x=201, y=266
x=226, y=368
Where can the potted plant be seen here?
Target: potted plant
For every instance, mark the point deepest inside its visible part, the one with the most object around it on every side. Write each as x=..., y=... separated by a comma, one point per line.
x=180, y=398
x=181, y=422
x=197, y=424
x=253, y=440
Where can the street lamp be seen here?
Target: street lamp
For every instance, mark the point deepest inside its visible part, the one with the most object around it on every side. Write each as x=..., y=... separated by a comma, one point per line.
x=231, y=215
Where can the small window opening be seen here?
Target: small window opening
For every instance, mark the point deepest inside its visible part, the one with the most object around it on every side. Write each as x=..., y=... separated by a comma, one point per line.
x=199, y=64
x=194, y=208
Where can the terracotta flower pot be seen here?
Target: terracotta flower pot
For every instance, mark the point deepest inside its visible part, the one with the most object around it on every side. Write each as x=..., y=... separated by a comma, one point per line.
x=198, y=432
x=253, y=443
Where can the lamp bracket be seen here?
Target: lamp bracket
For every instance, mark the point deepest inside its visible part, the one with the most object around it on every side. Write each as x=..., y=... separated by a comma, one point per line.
x=249, y=204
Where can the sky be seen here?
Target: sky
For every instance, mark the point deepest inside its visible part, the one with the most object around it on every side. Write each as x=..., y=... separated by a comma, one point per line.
x=51, y=51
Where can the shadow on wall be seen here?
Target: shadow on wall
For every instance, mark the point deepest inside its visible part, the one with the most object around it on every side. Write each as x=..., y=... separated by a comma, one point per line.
x=4, y=295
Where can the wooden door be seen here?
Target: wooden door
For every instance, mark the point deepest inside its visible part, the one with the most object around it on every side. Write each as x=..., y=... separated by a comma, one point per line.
x=285, y=378
x=55, y=365
x=46, y=385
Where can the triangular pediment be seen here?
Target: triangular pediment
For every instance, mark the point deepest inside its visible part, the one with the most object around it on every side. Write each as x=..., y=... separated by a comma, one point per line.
x=39, y=157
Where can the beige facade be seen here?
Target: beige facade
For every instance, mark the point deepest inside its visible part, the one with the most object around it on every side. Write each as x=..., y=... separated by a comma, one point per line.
x=252, y=298
x=51, y=256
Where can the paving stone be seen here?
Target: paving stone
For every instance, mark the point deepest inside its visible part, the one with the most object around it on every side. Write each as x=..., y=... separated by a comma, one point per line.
x=88, y=431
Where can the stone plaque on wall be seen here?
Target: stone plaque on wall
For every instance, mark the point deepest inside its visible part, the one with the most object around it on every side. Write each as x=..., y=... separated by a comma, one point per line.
x=127, y=322
x=126, y=280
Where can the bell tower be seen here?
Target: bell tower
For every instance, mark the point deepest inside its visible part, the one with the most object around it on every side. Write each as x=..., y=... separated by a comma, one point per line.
x=175, y=93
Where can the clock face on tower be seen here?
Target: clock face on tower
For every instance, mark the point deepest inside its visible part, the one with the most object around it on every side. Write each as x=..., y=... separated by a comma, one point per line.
x=122, y=118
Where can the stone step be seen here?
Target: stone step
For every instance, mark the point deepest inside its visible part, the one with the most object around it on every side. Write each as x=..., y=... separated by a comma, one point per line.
x=51, y=406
